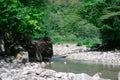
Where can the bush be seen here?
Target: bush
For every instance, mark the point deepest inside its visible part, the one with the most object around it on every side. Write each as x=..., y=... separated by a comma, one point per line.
x=111, y=32
x=89, y=42
x=106, y=16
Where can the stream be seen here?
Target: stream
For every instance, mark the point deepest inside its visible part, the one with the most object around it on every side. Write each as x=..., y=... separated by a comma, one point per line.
x=64, y=65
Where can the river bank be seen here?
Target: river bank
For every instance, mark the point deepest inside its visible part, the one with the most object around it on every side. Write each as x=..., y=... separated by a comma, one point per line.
x=71, y=51
x=37, y=71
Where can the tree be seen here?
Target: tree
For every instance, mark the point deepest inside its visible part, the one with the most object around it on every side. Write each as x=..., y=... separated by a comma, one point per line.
x=105, y=15
x=15, y=18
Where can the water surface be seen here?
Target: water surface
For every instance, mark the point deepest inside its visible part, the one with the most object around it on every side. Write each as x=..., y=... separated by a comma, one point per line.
x=91, y=68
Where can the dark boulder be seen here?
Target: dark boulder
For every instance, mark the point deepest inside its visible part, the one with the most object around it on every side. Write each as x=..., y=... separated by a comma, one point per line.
x=46, y=48
x=34, y=52
x=43, y=49
x=39, y=50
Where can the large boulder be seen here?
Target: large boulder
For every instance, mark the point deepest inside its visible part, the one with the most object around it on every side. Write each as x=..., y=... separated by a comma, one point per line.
x=46, y=48
x=43, y=49
x=39, y=50
x=32, y=47
x=34, y=52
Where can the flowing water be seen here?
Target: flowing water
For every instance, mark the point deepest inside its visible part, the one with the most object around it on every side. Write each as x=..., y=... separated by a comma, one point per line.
x=91, y=68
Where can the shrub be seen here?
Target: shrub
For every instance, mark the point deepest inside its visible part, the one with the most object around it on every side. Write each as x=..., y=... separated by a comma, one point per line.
x=89, y=42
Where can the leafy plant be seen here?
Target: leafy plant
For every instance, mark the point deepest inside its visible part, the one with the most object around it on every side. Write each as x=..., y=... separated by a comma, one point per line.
x=105, y=15
x=16, y=19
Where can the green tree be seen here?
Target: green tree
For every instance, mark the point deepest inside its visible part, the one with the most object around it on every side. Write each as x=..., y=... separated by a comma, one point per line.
x=61, y=21
x=15, y=18
x=105, y=15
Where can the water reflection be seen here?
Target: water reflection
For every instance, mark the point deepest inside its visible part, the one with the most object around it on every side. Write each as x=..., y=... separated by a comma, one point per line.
x=91, y=68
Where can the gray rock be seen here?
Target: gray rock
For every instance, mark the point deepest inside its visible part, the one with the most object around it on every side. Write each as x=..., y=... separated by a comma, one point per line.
x=22, y=57
x=97, y=76
x=83, y=76
x=33, y=71
x=60, y=74
x=4, y=75
x=71, y=76
x=48, y=73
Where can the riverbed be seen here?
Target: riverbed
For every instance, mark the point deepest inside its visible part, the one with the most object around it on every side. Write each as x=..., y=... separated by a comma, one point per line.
x=69, y=62
x=75, y=59
x=88, y=67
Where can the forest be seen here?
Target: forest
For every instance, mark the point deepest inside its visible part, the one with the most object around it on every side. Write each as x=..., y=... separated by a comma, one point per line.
x=84, y=22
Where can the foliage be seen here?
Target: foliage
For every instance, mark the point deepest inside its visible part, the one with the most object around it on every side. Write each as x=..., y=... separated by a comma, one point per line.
x=61, y=21
x=105, y=15
x=16, y=19
x=89, y=42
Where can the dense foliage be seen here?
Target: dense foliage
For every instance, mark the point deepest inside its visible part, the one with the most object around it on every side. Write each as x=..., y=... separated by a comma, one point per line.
x=84, y=22
x=16, y=19
x=63, y=23
x=106, y=16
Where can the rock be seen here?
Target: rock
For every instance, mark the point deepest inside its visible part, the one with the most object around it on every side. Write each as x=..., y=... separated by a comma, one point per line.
x=34, y=52
x=33, y=71
x=60, y=74
x=22, y=57
x=43, y=64
x=83, y=48
x=39, y=50
x=4, y=70
x=45, y=48
x=48, y=73
x=64, y=78
x=4, y=75
x=97, y=76
x=82, y=76
x=71, y=76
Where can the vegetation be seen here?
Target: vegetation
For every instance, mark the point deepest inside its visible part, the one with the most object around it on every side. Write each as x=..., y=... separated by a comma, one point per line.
x=105, y=15
x=16, y=19
x=85, y=22
x=63, y=23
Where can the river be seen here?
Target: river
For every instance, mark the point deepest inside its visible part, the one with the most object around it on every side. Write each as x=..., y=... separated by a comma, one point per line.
x=91, y=68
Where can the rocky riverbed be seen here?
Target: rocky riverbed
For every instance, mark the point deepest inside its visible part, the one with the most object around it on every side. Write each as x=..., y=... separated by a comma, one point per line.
x=71, y=51
x=36, y=71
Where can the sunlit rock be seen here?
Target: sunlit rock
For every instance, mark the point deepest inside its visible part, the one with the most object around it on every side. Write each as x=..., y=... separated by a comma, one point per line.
x=82, y=76
x=97, y=76
x=48, y=73
x=71, y=76
x=60, y=74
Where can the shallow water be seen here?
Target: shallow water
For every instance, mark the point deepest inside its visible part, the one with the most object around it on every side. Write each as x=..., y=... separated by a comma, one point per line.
x=91, y=68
